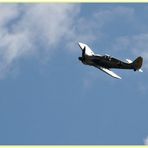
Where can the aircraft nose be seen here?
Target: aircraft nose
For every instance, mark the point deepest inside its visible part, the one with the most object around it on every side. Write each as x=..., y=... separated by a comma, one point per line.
x=80, y=58
x=81, y=45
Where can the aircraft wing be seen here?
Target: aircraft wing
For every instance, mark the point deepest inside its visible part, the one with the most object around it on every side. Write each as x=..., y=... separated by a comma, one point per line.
x=109, y=72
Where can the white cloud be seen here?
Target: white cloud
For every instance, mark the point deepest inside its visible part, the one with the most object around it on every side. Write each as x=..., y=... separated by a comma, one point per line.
x=38, y=29
x=8, y=13
x=91, y=28
x=146, y=141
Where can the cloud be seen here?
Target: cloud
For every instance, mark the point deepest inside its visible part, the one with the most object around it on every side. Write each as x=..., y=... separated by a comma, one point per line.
x=39, y=30
x=146, y=141
x=8, y=13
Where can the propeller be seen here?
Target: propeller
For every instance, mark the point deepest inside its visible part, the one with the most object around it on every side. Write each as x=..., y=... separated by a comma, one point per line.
x=83, y=52
x=83, y=55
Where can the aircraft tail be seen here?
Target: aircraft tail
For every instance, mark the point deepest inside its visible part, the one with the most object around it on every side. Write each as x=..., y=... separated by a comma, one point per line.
x=137, y=63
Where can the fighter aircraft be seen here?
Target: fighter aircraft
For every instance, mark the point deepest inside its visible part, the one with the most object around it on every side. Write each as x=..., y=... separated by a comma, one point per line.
x=106, y=62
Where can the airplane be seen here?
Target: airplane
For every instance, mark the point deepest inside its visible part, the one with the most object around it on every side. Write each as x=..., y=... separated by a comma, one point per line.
x=106, y=62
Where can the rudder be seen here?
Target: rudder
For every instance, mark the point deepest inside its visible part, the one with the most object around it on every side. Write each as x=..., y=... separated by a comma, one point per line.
x=137, y=63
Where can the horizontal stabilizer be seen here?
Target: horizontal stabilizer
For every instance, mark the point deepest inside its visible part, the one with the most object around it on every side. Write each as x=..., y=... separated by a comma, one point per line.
x=140, y=70
x=129, y=61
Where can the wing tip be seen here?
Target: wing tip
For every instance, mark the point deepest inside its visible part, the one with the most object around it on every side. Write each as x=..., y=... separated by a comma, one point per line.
x=118, y=77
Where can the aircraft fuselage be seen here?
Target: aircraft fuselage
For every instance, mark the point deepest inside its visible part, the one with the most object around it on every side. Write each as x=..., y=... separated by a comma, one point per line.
x=105, y=61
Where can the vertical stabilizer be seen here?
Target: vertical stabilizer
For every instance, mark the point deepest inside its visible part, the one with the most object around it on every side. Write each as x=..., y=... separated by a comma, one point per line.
x=137, y=63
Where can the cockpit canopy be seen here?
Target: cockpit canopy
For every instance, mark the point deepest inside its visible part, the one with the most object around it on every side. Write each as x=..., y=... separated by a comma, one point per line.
x=108, y=57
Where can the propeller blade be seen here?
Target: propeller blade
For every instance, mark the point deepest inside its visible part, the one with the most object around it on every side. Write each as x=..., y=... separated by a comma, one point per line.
x=83, y=52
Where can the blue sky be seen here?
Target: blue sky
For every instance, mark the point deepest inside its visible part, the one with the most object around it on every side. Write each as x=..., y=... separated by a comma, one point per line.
x=48, y=97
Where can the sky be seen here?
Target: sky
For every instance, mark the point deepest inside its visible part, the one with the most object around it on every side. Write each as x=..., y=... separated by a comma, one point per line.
x=47, y=96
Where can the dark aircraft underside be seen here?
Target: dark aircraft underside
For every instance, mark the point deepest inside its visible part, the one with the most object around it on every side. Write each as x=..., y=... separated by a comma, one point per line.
x=106, y=62
x=109, y=62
